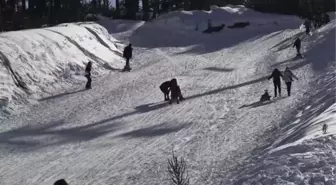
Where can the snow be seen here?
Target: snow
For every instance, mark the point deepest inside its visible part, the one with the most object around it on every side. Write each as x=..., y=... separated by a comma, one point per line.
x=51, y=59
x=121, y=132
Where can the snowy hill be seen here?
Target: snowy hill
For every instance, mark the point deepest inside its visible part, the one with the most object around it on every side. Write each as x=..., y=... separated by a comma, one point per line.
x=302, y=153
x=122, y=132
x=47, y=60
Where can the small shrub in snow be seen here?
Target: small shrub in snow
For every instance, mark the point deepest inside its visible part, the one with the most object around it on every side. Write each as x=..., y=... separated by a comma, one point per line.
x=177, y=171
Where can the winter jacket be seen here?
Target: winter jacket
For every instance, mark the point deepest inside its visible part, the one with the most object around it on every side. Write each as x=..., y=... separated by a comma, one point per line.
x=128, y=52
x=165, y=86
x=307, y=24
x=297, y=43
x=88, y=68
x=276, y=74
x=288, y=76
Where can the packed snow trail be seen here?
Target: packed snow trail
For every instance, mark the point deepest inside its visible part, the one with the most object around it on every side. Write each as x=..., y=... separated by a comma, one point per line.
x=120, y=132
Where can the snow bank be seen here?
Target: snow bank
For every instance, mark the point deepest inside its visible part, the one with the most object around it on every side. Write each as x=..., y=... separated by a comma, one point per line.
x=40, y=61
x=184, y=28
x=303, y=153
x=227, y=15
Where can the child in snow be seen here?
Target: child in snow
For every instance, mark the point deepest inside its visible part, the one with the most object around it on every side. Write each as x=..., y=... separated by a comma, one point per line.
x=265, y=97
x=88, y=75
x=175, y=92
x=288, y=78
x=165, y=88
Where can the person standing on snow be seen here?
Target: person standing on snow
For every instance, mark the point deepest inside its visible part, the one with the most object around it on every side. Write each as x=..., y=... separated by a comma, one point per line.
x=88, y=75
x=288, y=78
x=297, y=44
x=128, y=55
x=307, y=25
x=276, y=74
x=165, y=88
x=175, y=92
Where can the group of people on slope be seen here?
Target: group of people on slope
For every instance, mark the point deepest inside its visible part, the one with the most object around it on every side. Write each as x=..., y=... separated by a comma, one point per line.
x=172, y=87
x=127, y=54
x=287, y=76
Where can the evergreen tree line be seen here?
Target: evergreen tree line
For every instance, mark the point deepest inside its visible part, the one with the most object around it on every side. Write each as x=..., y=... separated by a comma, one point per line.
x=23, y=14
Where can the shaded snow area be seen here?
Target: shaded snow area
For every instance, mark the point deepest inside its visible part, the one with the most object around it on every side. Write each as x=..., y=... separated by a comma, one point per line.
x=40, y=62
x=302, y=153
x=122, y=132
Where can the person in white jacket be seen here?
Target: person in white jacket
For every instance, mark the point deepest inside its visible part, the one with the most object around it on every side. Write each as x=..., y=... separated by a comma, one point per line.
x=288, y=78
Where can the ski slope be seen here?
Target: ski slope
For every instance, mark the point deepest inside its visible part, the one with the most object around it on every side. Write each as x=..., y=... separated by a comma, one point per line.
x=121, y=132
x=49, y=60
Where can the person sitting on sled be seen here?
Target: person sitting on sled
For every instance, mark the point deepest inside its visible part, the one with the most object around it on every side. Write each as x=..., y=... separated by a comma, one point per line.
x=265, y=96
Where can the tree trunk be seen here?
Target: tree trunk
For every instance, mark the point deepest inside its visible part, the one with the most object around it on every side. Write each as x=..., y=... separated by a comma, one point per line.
x=23, y=6
x=145, y=9
x=186, y=4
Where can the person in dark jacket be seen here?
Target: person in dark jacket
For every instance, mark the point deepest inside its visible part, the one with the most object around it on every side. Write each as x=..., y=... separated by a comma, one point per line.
x=276, y=74
x=88, y=75
x=307, y=25
x=297, y=44
x=128, y=50
x=165, y=88
x=61, y=182
x=175, y=91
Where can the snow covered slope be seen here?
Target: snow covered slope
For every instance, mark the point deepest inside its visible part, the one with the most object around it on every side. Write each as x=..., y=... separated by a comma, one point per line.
x=42, y=61
x=121, y=131
x=302, y=152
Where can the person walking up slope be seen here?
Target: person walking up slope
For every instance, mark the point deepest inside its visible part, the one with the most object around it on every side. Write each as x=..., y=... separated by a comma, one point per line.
x=88, y=75
x=297, y=44
x=288, y=78
x=276, y=74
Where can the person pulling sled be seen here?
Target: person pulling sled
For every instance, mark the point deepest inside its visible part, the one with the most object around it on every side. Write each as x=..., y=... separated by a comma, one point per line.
x=127, y=54
x=276, y=74
x=175, y=90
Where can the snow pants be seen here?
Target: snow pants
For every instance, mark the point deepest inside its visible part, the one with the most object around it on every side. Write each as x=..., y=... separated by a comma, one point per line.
x=165, y=91
x=89, y=80
x=127, y=66
x=289, y=86
x=277, y=88
x=298, y=50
